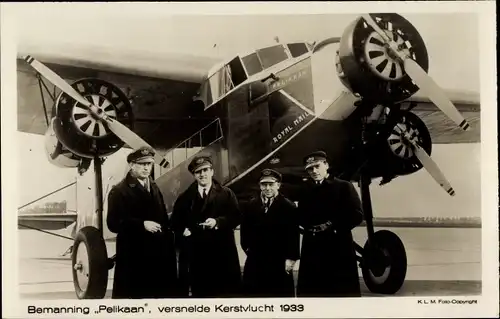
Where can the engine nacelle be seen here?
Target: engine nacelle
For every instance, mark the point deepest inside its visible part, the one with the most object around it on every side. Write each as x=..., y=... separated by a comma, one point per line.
x=56, y=153
x=79, y=130
x=370, y=69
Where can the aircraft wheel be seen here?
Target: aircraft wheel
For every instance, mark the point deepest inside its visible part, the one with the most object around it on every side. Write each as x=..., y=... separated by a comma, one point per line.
x=384, y=263
x=90, y=264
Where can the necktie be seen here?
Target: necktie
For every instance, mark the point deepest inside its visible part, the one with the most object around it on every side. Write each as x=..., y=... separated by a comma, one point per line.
x=204, y=193
x=267, y=205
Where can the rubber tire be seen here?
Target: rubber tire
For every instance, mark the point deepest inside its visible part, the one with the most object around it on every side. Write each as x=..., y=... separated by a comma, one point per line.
x=98, y=263
x=396, y=250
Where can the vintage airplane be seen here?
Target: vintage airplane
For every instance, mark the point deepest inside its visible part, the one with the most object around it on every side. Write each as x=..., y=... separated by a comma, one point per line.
x=357, y=97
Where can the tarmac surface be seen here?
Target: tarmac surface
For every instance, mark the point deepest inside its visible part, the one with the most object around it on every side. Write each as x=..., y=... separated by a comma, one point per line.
x=441, y=262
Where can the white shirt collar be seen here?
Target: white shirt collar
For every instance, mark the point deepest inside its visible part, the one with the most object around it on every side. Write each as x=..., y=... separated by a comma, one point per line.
x=143, y=181
x=321, y=181
x=201, y=188
x=265, y=199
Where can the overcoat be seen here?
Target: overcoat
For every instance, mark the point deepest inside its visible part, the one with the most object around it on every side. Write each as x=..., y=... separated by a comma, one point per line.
x=208, y=258
x=269, y=239
x=327, y=213
x=146, y=265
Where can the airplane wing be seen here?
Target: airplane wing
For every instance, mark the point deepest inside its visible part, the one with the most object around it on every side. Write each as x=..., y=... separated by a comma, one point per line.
x=162, y=104
x=441, y=128
x=162, y=101
x=46, y=221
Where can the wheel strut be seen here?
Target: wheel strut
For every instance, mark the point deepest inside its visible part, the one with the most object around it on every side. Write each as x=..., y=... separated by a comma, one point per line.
x=364, y=184
x=98, y=193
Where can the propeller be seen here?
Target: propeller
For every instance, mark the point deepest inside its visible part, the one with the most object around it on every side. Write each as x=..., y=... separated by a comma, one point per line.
x=433, y=169
x=421, y=78
x=120, y=130
x=428, y=163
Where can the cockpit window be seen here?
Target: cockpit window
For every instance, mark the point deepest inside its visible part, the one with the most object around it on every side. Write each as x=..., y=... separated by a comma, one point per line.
x=297, y=49
x=230, y=75
x=252, y=64
x=272, y=55
x=220, y=82
x=225, y=79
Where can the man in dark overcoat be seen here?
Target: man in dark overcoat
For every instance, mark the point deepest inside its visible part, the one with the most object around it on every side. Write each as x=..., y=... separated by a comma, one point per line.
x=329, y=208
x=146, y=265
x=271, y=240
x=204, y=219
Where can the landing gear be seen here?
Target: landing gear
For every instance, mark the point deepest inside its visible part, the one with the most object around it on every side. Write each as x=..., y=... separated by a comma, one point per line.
x=90, y=262
x=383, y=262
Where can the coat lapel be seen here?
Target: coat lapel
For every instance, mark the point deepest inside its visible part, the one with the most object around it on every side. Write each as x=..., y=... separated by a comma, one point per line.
x=155, y=191
x=137, y=187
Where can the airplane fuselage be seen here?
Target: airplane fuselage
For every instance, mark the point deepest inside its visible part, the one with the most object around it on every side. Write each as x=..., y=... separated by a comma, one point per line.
x=274, y=124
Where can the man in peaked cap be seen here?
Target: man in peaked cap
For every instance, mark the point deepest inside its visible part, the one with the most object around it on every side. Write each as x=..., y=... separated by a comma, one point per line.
x=329, y=208
x=146, y=265
x=271, y=240
x=204, y=219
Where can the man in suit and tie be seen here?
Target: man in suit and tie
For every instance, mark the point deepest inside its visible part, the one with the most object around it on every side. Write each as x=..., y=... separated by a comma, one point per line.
x=204, y=219
x=271, y=240
x=146, y=264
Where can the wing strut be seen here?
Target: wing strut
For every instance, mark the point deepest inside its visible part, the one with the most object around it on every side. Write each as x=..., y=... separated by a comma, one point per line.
x=44, y=231
x=46, y=195
x=53, y=97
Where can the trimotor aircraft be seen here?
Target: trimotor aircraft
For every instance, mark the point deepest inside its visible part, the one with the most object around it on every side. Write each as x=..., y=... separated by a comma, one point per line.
x=360, y=97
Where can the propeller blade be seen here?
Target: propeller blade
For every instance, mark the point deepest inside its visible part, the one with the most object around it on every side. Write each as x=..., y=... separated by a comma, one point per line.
x=422, y=79
x=131, y=139
x=434, y=92
x=56, y=80
x=369, y=20
x=433, y=169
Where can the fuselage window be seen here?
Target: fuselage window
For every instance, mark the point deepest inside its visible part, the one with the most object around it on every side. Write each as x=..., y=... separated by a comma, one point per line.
x=237, y=72
x=272, y=55
x=297, y=49
x=252, y=64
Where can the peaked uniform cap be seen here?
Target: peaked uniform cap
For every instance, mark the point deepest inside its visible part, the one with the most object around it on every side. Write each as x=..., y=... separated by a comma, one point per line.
x=142, y=154
x=269, y=175
x=314, y=158
x=200, y=162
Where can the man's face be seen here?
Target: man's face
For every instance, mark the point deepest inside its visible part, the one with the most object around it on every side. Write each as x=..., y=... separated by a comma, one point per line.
x=318, y=171
x=141, y=170
x=204, y=176
x=269, y=189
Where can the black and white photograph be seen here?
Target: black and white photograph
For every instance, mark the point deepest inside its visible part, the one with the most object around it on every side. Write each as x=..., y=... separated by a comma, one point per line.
x=250, y=163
